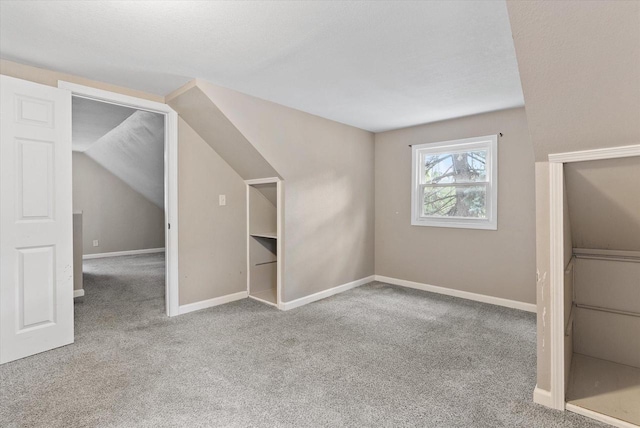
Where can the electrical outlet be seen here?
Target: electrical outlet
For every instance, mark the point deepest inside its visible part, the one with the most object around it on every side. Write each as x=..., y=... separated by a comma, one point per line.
x=222, y=200
x=95, y=243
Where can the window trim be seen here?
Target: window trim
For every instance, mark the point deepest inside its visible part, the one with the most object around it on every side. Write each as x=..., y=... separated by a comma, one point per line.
x=487, y=142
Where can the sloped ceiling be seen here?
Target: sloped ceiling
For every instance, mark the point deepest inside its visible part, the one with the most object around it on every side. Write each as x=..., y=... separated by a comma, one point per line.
x=604, y=203
x=93, y=119
x=201, y=113
x=579, y=65
x=134, y=152
x=269, y=191
x=127, y=142
x=374, y=65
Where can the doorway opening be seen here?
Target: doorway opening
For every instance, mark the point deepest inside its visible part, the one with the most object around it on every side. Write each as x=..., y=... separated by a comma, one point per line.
x=118, y=204
x=125, y=189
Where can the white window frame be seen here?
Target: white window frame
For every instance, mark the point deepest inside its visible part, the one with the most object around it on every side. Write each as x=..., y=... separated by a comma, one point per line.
x=488, y=143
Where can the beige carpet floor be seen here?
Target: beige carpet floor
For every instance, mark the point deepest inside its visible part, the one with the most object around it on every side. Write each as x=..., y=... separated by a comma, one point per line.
x=375, y=356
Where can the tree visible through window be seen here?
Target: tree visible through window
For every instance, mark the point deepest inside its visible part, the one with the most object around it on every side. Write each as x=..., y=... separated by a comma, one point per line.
x=454, y=183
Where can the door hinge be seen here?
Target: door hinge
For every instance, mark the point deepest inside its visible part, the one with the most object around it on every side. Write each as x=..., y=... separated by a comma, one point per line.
x=169, y=225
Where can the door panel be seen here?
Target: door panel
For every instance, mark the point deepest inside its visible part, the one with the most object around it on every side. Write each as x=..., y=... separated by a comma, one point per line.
x=36, y=263
x=36, y=287
x=35, y=175
x=33, y=111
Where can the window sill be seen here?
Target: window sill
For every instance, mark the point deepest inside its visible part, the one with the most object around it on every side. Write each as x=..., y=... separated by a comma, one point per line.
x=457, y=224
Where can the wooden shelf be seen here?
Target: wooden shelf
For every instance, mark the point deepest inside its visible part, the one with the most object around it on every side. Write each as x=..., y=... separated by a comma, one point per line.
x=268, y=235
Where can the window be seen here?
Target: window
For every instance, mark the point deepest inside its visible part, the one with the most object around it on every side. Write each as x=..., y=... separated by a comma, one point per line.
x=455, y=183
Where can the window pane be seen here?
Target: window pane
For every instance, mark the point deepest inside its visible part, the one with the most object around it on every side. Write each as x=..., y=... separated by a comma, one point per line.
x=455, y=201
x=463, y=167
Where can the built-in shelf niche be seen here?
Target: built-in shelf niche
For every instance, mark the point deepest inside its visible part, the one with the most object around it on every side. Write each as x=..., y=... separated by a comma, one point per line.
x=263, y=240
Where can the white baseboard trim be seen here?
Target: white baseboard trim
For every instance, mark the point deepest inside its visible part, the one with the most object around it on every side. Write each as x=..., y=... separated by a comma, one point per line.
x=529, y=307
x=122, y=253
x=78, y=293
x=185, y=309
x=326, y=293
x=542, y=397
x=599, y=416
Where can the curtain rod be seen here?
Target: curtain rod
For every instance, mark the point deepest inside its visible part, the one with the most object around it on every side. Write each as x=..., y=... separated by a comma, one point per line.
x=499, y=133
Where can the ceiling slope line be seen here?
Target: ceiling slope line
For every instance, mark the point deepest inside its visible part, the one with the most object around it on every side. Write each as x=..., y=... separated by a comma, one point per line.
x=133, y=151
x=202, y=114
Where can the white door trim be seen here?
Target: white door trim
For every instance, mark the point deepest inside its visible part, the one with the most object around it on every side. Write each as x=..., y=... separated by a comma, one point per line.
x=268, y=180
x=556, y=277
x=596, y=154
x=170, y=176
x=556, y=283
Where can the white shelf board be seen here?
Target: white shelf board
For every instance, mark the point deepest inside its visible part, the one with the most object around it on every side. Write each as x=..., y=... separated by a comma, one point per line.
x=269, y=235
x=605, y=387
x=267, y=296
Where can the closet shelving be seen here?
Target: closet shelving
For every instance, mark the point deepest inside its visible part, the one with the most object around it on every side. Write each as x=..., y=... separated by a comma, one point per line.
x=264, y=240
x=596, y=362
x=604, y=327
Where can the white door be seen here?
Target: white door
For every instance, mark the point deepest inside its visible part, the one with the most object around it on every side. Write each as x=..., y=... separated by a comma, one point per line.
x=36, y=263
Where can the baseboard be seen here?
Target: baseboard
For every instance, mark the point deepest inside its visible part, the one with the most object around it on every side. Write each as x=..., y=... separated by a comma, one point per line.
x=122, y=253
x=78, y=293
x=514, y=304
x=326, y=293
x=599, y=417
x=542, y=397
x=185, y=309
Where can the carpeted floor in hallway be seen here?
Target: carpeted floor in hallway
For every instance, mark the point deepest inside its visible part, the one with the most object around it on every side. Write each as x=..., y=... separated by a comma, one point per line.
x=375, y=356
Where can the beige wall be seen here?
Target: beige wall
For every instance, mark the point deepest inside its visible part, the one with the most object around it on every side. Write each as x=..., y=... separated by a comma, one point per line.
x=327, y=169
x=197, y=109
x=77, y=251
x=117, y=216
x=212, y=241
x=201, y=173
x=328, y=172
x=604, y=203
x=579, y=65
x=495, y=263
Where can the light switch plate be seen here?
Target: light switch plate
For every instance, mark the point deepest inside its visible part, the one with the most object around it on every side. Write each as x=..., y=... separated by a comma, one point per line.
x=222, y=200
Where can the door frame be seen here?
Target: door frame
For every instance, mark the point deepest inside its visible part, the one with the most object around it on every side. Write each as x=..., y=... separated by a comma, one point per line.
x=556, y=251
x=170, y=176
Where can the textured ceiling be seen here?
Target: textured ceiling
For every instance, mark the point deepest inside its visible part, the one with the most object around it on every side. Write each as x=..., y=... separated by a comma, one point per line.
x=128, y=143
x=133, y=151
x=374, y=65
x=93, y=119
